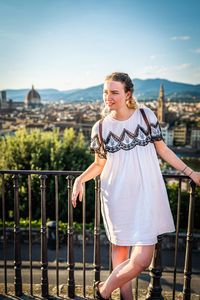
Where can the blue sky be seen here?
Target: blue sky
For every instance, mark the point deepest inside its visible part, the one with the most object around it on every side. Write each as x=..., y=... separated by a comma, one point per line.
x=67, y=44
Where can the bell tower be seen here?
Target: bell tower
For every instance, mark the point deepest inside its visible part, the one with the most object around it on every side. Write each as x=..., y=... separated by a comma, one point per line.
x=161, y=105
x=3, y=100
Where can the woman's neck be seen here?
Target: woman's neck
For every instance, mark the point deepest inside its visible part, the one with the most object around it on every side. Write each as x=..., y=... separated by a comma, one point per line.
x=122, y=114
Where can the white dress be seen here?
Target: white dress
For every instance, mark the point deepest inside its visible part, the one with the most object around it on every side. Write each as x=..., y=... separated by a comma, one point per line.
x=134, y=201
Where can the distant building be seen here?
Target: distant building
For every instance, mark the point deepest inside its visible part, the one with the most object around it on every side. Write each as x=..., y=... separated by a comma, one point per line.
x=180, y=134
x=6, y=106
x=167, y=133
x=161, y=106
x=32, y=99
x=167, y=130
x=170, y=137
x=3, y=100
x=195, y=137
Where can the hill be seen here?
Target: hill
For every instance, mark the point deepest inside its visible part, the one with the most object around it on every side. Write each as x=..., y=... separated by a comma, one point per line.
x=144, y=89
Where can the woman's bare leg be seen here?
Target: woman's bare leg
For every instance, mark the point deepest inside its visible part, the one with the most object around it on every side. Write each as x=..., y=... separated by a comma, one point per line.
x=119, y=255
x=140, y=259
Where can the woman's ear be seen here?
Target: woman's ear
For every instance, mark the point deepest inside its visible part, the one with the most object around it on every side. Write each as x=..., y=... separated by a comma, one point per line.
x=128, y=95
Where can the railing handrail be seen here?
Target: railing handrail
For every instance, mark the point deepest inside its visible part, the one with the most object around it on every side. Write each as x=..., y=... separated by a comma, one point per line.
x=56, y=172
x=46, y=172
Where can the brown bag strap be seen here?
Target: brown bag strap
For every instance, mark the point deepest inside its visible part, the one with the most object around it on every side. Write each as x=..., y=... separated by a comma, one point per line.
x=100, y=135
x=146, y=120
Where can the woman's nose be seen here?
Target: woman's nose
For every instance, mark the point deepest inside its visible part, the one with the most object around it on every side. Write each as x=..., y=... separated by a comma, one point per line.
x=109, y=96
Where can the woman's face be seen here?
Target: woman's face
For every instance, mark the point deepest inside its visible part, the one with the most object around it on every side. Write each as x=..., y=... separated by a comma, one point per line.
x=114, y=95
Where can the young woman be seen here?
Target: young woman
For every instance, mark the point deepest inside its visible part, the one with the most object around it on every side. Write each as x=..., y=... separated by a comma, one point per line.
x=134, y=201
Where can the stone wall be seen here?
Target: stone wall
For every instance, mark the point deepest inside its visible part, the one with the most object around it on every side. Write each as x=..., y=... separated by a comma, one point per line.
x=168, y=241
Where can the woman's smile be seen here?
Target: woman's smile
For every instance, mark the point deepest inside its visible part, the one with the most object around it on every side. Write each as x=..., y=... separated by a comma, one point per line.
x=110, y=103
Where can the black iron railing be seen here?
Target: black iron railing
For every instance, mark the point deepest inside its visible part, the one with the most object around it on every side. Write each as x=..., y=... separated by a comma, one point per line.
x=154, y=289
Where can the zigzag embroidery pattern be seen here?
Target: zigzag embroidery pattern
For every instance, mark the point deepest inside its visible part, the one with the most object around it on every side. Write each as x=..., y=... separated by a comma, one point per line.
x=127, y=139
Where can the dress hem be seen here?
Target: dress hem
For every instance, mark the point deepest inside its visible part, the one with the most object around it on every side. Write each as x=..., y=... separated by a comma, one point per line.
x=138, y=244
x=149, y=241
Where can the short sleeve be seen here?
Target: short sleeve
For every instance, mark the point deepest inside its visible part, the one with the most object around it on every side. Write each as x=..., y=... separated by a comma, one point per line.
x=156, y=133
x=95, y=145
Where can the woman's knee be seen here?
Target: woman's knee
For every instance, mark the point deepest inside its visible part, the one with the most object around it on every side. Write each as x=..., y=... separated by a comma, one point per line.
x=143, y=257
x=142, y=262
x=145, y=262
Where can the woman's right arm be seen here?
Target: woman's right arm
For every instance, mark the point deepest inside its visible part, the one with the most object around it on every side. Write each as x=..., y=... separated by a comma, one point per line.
x=92, y=171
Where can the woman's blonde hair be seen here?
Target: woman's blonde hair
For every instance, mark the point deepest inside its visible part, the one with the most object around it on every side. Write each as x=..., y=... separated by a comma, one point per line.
x=128, y=86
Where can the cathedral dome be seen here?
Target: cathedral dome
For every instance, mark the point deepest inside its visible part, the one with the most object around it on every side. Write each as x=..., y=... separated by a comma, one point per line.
x=32, y=98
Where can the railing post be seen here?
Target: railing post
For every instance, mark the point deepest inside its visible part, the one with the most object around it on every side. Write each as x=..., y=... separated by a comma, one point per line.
x=44, y=261
x=57, y=234
x=84, y=216
x=177, y=236
x=17, y=249
x=4, y=233
x=154, y=289
x=189, y=244
x=70, y=242
x=97, y=231
x=30, y=235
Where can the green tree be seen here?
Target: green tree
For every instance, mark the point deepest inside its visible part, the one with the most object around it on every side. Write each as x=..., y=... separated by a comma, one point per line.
x=172, y=190
x=44, y=151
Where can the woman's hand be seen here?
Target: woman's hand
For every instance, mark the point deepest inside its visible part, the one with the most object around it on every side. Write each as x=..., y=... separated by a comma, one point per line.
x=195, y=176
x=92, y=171
x=77, y=191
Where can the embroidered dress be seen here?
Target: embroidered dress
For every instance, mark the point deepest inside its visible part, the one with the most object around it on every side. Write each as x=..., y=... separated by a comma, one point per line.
x=134, y=201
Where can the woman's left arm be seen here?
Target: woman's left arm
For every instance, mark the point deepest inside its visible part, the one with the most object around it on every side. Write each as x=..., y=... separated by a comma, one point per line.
x=170, y=157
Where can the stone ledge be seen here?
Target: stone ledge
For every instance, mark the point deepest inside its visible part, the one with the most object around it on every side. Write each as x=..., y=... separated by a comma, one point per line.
x=78, y=293
x=168, y=241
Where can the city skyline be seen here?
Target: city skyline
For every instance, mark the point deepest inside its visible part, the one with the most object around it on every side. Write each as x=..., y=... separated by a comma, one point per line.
x=75, y=44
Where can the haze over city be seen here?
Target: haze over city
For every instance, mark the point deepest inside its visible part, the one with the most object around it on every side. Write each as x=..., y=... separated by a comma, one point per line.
x=75, y=44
